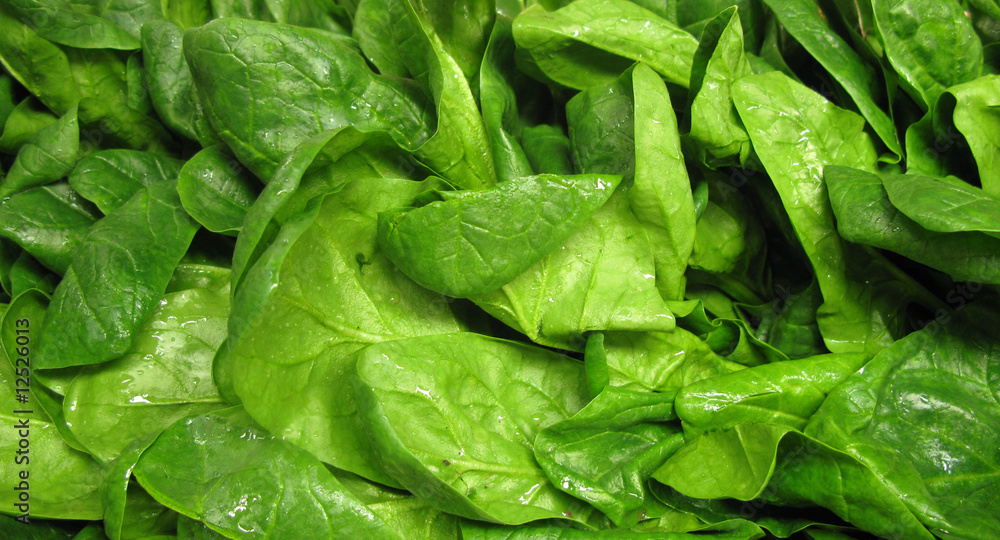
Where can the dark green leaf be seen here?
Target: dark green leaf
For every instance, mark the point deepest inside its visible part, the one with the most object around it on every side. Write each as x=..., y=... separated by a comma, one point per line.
x=48, y=222
x=216, y=190
x=97, y=308
x=110, y=178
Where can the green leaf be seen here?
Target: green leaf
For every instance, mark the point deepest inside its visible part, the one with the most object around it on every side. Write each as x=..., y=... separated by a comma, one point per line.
x=788, y=468
x=106, y=118
x=216, y=190
x=45, y=72
x=653, y=361
x=49, y=156
x=23, y=123
x=410, y=516
x=499, y=81
x=96, y=309
x=322, y=164
x=240, y=65
x=786, y=393
x=801, y=18
x=453, y=419
x=796, y=133
x=660, y=196
x=605, y=453
x=866, y=216
x=60, y=23
x=941, y=205
x=48, y=222
x=717, y=133
x=915, y=416
x=31, y=305
x=459, y=151
x=222, y=470
x=129, y=511
x=110, y=178
x=734, y=530
x=977, y=117
x=329, y=311
x=602, y=278
x=163, y=377
x=591, y=42
x=547, y=149
x=171, y=84
x=932, y=45
x=472, y=243
x=27, y=273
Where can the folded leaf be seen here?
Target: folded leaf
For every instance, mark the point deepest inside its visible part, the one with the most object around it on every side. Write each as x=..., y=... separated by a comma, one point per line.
x=473, y=243
x=592, y=42
x=605, y=453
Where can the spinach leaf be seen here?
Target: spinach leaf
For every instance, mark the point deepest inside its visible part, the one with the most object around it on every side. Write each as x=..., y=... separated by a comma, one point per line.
x=453, y=419
x=48, y=222
x=27, y=273
x=628, y=128
x=62, y=24
x=498, y=100
x=547, y=149
x=222, y=470
x=26, y=120
x=472, y=243
x=129, y=511
x=651, y=361
x=46, y=394
x=48, y=157
x=717, y=133
x=322, y=164
x=357, y=297
x=590, y=42
x=171, y=84
x=109, y=178
x=915, y=32
x=660, y=196
x=910, y=425
x=781, y=115
x=785, y=393
x=866, y=216
x=410, y=516
x=621, y=435
x=163, y=377
x=96, y=309
x=975, y=116
x=602, y=278
x=802, y=19
x=101, y=78
x=45, y=72
x=216, y=190
x=243, y=68
x=942, y=205
x=784, y=466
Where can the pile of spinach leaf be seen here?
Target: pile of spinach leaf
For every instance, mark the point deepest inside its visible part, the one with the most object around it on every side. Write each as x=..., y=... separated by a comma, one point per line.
x=497, y=269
